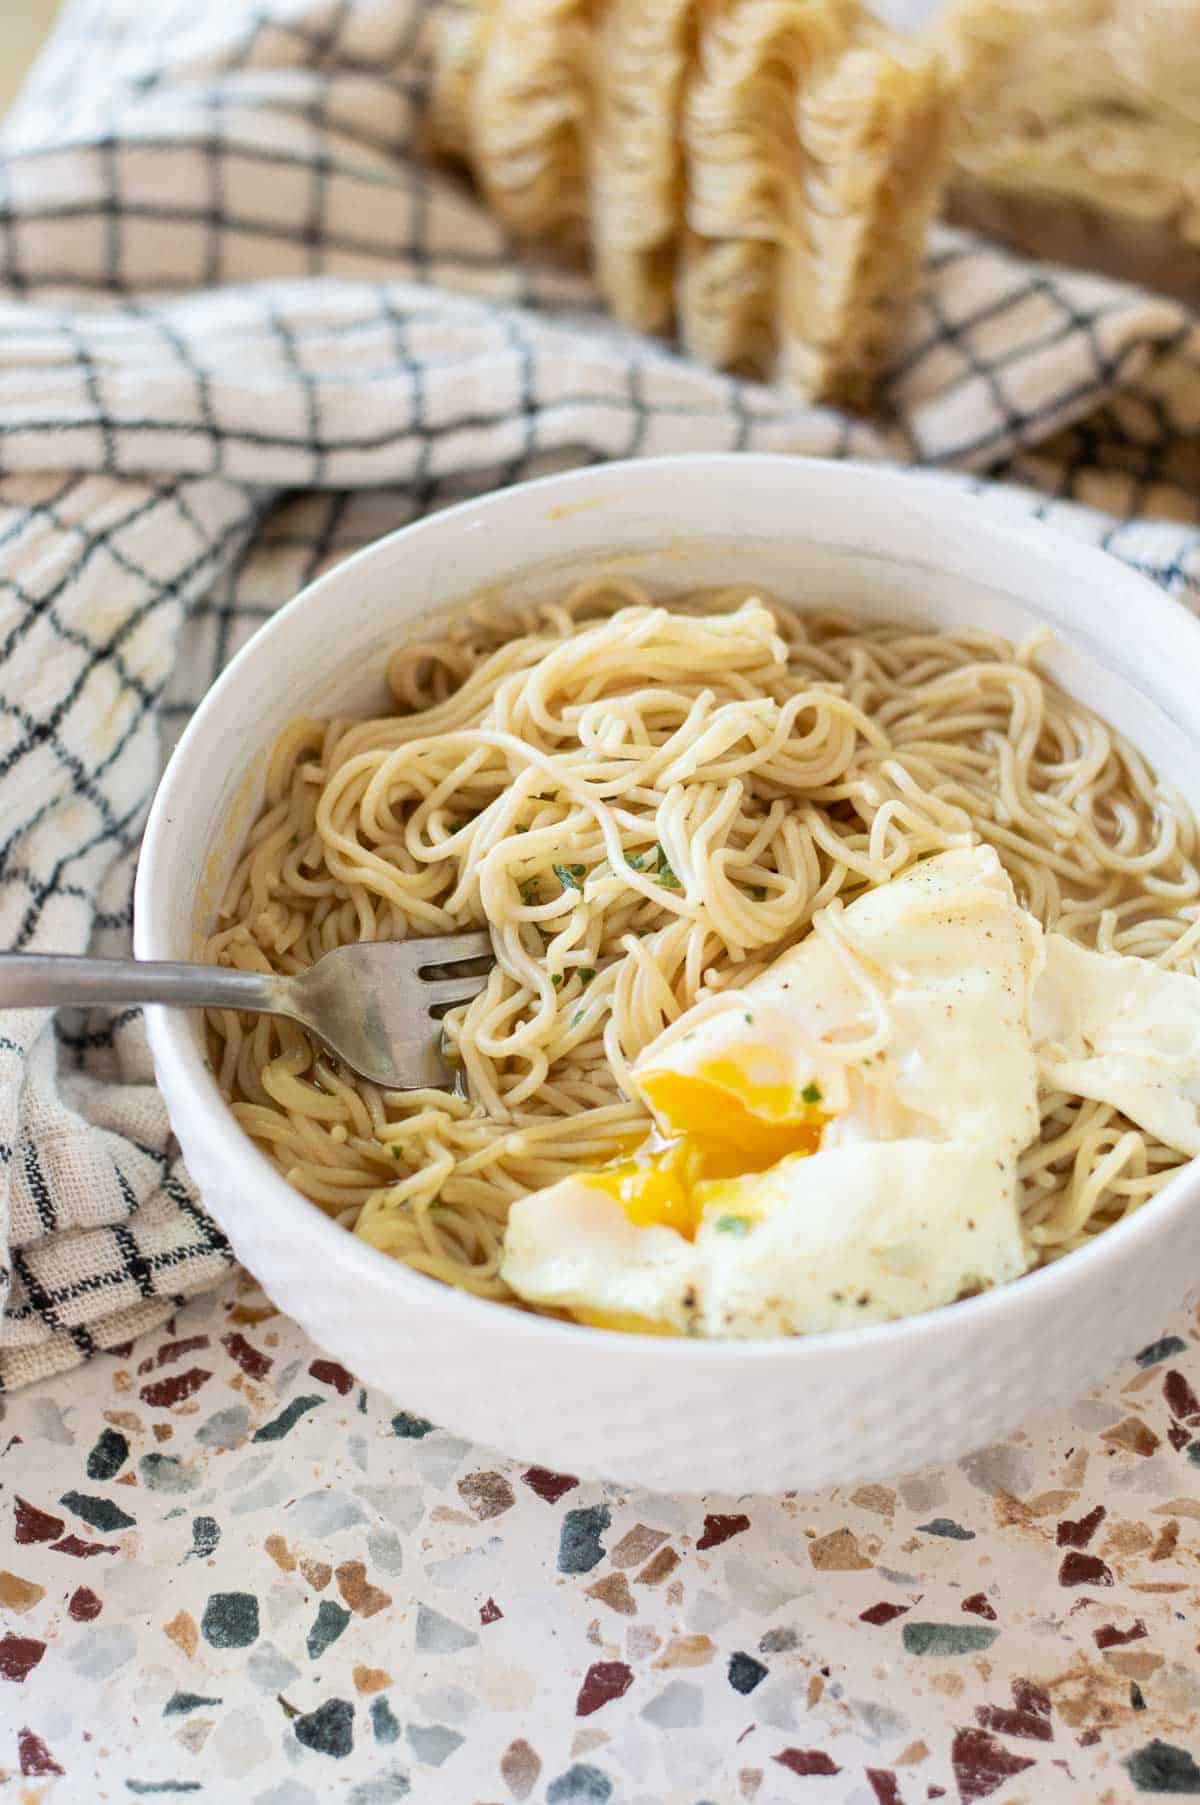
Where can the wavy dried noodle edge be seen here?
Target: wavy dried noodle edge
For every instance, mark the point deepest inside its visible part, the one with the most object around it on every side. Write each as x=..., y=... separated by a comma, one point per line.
x=1085, y=159
x=739, y=140
x=460, y=35
x=645, y=51
x=528, y=119
x=876, y=139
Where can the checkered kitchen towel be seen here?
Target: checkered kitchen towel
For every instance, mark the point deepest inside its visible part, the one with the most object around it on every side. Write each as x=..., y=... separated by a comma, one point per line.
x=244, y=328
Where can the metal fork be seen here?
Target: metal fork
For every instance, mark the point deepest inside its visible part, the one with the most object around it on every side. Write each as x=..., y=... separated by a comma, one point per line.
x=370, y=1004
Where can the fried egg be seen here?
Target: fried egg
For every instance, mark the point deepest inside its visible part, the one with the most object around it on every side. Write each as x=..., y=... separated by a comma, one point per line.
x=836, y=1144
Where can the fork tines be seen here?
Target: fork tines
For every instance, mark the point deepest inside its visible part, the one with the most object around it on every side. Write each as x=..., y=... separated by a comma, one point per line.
x=441, y=950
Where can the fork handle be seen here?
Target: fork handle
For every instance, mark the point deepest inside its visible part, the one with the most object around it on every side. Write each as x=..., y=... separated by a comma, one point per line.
x=48, y=980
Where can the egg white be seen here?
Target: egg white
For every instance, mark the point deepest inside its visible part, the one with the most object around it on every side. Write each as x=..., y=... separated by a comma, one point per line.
x=1125, y=1032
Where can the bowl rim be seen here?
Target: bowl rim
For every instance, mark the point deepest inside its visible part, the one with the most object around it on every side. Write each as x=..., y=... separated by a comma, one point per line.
x=176, y=1054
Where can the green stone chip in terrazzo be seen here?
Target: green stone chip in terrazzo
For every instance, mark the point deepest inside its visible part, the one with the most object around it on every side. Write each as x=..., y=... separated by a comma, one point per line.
x=1163, y=1768
x=166, y=1473
x=745, y=1673
x=1166, y=1349
x=98, y=1513
x=206, y=1538
x=947, y=1638
x=146, y=1789
x=108, y=1456
x=287, y=1419
x=180, y=1703
x=230, y=1620
x=384, y=1724
x=329, y=1729
x=579, y=1546
x=331, y=1620
x=580, y=1785
x=945, y=1526
x=411, y=1428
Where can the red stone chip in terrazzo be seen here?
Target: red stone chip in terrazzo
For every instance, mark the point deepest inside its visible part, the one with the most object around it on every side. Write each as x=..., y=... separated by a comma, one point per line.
x=31, y=1524
x=548, y=1485
x=603, y=1682
x=331, y=1372
x=176, y=1389
x=34, y=1757
x=1028, y=1716
x=807, y=1762
x=254, y=1363
x=171, y=1351
x=982, y=1764
x=84, y=1606
x=1084, y=1570
x=718, y=1529
x=1079, y=1533
x=883, y=1612
x=19, y=1655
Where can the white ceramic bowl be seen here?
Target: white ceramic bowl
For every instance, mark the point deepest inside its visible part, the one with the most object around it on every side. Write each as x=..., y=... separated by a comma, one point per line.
x=674, y=1415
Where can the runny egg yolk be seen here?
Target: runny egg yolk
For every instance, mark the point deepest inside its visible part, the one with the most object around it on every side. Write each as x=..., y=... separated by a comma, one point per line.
x=713, y=1136
x=762, y=1122
x=624, y=1321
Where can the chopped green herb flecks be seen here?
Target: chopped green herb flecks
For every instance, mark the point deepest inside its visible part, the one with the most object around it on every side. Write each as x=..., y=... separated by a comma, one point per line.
x=666, y=877
x=531, y=894
x=757, y=891
x=576, y=1018
x=556, y=979
x=569, y=875
x=733, y=1225
x=811, y=1093
x=749, y=1017
x=585, y=974
x=635, y=859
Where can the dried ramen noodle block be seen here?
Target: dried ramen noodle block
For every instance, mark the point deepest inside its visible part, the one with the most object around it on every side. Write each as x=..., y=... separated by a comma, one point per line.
x=742, y=160
x=874, y=136
x=726, y=302
x=529, y=118
x=460, y=34
x=644, y=49
x=1081, y=130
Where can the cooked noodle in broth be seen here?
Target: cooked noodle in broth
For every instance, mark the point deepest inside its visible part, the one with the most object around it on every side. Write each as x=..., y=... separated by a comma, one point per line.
x=646, y=804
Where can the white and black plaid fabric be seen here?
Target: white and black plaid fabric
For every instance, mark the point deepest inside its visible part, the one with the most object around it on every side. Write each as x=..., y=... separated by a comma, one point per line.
x=245, y=328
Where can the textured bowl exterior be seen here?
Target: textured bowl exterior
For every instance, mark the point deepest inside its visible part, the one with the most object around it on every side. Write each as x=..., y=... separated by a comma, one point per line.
x=674, y=1415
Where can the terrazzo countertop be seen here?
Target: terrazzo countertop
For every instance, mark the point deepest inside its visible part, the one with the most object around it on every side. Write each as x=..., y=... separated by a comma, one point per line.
x=230, y=1572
